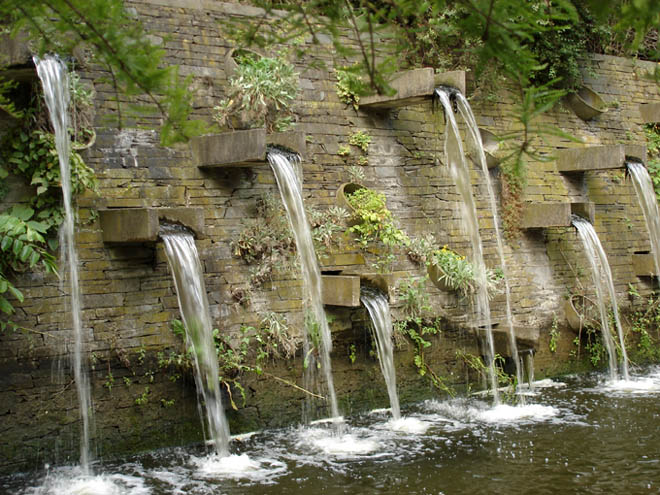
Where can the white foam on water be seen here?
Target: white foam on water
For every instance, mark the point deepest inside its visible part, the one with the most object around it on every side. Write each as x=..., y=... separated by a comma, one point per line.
x=70, y=481
x=410, y=425
x=632, y=386
x=504, y=413
x=465, y=412
x=237, y=467
x=548, y=383
x=345, y=445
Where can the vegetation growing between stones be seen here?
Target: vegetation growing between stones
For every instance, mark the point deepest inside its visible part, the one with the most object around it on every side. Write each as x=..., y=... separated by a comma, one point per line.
x=418, y=330
x=376, y=225
x=260, y=94
x=267, y=244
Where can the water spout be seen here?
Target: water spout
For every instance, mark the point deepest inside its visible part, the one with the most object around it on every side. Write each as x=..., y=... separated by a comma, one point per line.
x=600, y=268
x=188, y=277
x=379, y=310
x=55, y=81
x=460, y=173
x=290, y=187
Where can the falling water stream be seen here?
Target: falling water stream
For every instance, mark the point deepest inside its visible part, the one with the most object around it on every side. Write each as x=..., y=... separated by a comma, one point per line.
x=290, y=187
x=379, y=310
x=473, y=131
x=188, y=277
x=55, y=81
x=600, y=268
x=460, y=173
x=649, y=204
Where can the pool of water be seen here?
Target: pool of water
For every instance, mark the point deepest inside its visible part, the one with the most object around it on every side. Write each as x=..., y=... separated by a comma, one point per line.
x=580, y=434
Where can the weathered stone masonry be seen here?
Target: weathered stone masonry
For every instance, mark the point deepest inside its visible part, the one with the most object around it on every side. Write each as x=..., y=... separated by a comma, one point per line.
x=129, y=297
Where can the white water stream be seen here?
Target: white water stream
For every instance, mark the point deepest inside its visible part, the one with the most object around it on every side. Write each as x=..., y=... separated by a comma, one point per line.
x=477, y=144
x=55, y=81
x=460, y=173
x=379, y=310
x=600, y=268
x=649, y=204
x=188, y=277
x=290, y=187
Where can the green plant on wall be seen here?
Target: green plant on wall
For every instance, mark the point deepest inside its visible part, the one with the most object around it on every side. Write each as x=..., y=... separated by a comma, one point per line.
x=266, y=242
x=28, y=232
x=260, y=93
x=376, y=225
x=349, y=85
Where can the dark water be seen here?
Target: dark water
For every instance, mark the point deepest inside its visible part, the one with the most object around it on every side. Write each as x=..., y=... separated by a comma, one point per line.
x=574, y=436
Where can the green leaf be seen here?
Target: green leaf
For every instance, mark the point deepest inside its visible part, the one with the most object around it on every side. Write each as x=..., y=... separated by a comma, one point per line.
x=17, y=293
x=5, y=306
x=22, y=212
x=6, y=243
x=25, y=253
x=3, y=285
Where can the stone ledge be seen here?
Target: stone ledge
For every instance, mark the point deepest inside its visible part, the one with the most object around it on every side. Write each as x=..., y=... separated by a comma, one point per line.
x=243, y=148
x=542, y=215
x=137, y=225
x=591, y=158
x=341, y=290
x=232, y=149
x=650, y=112
x=414, y=86
x=643, y=265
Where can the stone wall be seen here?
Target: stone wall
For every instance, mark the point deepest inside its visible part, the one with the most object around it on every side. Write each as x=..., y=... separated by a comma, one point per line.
x=129, y=297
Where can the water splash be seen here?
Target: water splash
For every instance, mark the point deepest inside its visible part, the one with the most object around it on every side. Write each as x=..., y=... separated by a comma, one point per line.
x=379, y=310
x=188, y=277
x=55, y=81
x=460, y=173
x=649, y=205
x=290, y=187
x=600, y=267
x=475, y=137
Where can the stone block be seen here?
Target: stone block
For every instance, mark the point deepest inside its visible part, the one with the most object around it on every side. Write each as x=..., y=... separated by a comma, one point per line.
x=294, y=141
x=341, y=290
x=650, y=112
x=636, y=152
x=643, y=265
x=230, y=149
x=591, y=158
x=129, y=225
x=385, y=282
x=541, y=215
x=453, y=79
x=585, y=210
x=410, y=87
x=136, y=225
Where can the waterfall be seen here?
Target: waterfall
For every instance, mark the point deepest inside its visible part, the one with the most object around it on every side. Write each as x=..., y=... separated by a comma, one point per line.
x=55, y=81
x=460, y=173
x=473, y=131
x=290, y=187
x=649, y=204
x=379, y=310
x=599, y=268
x=188, y=278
